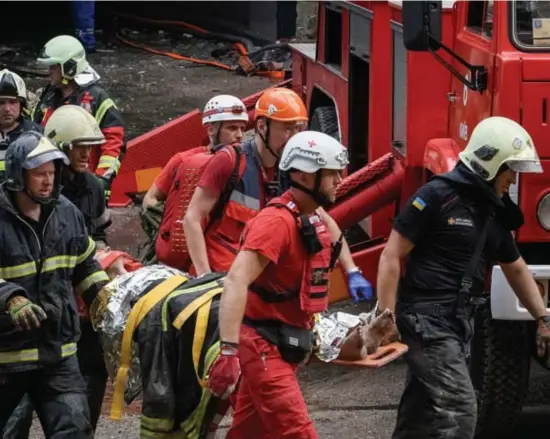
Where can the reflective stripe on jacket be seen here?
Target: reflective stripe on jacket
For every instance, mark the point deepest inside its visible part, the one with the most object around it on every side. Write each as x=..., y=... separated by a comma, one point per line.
x=49, y=270
x=97, y=102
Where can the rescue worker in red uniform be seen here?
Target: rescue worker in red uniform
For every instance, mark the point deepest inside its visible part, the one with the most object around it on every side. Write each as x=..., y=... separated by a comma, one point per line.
x=73, y=81
x=279, y=114
x=13, y=101
x=225, y=119
x=278, y=281
x=45, y=258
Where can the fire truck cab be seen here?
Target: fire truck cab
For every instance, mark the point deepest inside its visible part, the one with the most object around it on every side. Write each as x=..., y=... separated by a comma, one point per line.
x=408, y=81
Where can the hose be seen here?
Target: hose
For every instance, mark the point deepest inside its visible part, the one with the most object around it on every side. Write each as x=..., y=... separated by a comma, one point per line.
x=245, y=43
x=245, y=64
x=173, y=55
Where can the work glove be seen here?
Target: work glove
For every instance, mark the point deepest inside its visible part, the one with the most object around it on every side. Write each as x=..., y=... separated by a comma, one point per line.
x=543, y=339
x=24, y=314
x=225, y=372
x=359, y=288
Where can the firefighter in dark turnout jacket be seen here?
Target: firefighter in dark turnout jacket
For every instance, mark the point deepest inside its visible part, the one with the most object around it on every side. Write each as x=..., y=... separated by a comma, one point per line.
x=452, y=231
x=13, y=101
x=276, y=284
x=46, y=256
x=76, y=132
x=72, y=81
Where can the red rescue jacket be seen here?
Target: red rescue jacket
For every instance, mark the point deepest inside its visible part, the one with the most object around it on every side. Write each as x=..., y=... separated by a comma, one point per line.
x=171, y=246
x=105, y=162
x=313, y=295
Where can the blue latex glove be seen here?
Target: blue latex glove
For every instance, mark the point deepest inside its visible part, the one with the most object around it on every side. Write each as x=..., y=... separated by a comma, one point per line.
x=360, y=288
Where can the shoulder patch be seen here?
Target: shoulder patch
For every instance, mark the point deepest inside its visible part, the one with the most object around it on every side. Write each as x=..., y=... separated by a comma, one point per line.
x=419, y=203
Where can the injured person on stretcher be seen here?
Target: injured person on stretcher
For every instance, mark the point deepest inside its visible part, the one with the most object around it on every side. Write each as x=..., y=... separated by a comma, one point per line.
x=159, y=331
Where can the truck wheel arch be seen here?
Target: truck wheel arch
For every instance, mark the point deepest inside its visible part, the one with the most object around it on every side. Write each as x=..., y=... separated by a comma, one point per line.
x=323, y=114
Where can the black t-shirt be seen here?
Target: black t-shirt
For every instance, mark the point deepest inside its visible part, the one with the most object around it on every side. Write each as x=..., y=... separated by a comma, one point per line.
x=445, y=226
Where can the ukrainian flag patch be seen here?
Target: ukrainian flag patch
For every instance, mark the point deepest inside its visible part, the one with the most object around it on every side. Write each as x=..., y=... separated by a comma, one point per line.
x=419, y=203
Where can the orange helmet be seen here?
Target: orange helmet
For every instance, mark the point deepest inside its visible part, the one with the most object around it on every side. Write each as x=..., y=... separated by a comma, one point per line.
x=281, y=104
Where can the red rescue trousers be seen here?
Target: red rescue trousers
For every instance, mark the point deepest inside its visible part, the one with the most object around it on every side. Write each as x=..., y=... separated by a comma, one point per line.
x=269, y=403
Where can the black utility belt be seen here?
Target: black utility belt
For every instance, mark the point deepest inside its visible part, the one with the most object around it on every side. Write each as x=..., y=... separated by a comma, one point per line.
x=295, y=344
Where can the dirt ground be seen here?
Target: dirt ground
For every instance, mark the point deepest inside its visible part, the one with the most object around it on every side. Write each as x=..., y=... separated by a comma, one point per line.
x=151, y=90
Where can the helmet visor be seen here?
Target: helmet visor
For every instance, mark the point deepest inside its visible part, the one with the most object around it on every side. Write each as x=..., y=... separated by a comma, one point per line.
x=45, y=157
x=527, y=166
x=88, y=141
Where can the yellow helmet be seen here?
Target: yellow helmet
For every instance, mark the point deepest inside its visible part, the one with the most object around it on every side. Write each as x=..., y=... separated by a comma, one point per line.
x=71, y=125
x=498, y=141
x=66, y=51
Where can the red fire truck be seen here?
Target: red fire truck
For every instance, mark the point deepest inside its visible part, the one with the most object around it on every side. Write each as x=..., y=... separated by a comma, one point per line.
x=409, y=83
x=402, y=86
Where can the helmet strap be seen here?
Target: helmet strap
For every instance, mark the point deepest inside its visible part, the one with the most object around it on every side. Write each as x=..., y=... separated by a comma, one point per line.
x=53, y=197
x=217, y=135
x=43, y=201
x=314, y=193
x=265, y=139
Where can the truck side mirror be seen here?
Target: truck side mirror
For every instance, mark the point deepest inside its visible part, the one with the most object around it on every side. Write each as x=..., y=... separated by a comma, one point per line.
x=421, y=25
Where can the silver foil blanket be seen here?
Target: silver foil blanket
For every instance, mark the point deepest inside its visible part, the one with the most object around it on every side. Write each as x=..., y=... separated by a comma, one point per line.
x=109, y=314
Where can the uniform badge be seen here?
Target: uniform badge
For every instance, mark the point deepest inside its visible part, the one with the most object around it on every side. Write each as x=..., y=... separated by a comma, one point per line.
x=419, y=203
x=465, y=222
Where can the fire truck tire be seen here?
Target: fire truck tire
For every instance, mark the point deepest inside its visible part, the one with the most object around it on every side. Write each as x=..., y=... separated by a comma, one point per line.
x=325, y=120
x=499, y=368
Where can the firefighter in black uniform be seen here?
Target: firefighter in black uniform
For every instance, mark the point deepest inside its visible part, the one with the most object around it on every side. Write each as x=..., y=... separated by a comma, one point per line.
x=45, y=258
x=451, y=231
x=76, y=132
x=13, y=101
x=73, y=81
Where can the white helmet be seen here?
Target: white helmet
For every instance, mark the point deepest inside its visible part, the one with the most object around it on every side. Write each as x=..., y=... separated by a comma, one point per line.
x=496, y=141
x=12, y=86
x=72, y=125
x=66, y=51
x=309, y=151
x=224, y=107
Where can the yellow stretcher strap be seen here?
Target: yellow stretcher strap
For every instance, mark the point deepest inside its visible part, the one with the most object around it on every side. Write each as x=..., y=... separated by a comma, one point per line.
x=200, y=325
x=138, y=313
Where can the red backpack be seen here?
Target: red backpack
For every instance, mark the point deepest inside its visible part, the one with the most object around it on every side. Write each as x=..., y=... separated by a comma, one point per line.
x=171, y=247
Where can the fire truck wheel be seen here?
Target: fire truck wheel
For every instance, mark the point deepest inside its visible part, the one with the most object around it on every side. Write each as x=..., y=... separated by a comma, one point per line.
x=325, y=120
x=499, y=368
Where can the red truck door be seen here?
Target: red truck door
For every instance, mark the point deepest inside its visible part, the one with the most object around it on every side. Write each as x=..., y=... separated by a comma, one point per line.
x=474, y=43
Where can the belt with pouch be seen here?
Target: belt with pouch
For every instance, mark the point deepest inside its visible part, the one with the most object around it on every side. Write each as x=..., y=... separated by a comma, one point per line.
x=295, y=344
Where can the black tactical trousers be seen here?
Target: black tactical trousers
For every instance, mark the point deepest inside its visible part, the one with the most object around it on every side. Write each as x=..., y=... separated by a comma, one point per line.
x=92, y=367
x=58, y=395
x=439, y=399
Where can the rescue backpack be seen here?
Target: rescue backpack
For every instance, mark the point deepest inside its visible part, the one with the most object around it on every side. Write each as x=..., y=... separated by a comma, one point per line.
x=171, y=246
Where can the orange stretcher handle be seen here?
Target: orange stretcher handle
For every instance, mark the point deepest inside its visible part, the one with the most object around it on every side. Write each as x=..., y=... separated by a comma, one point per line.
x=383, y=355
